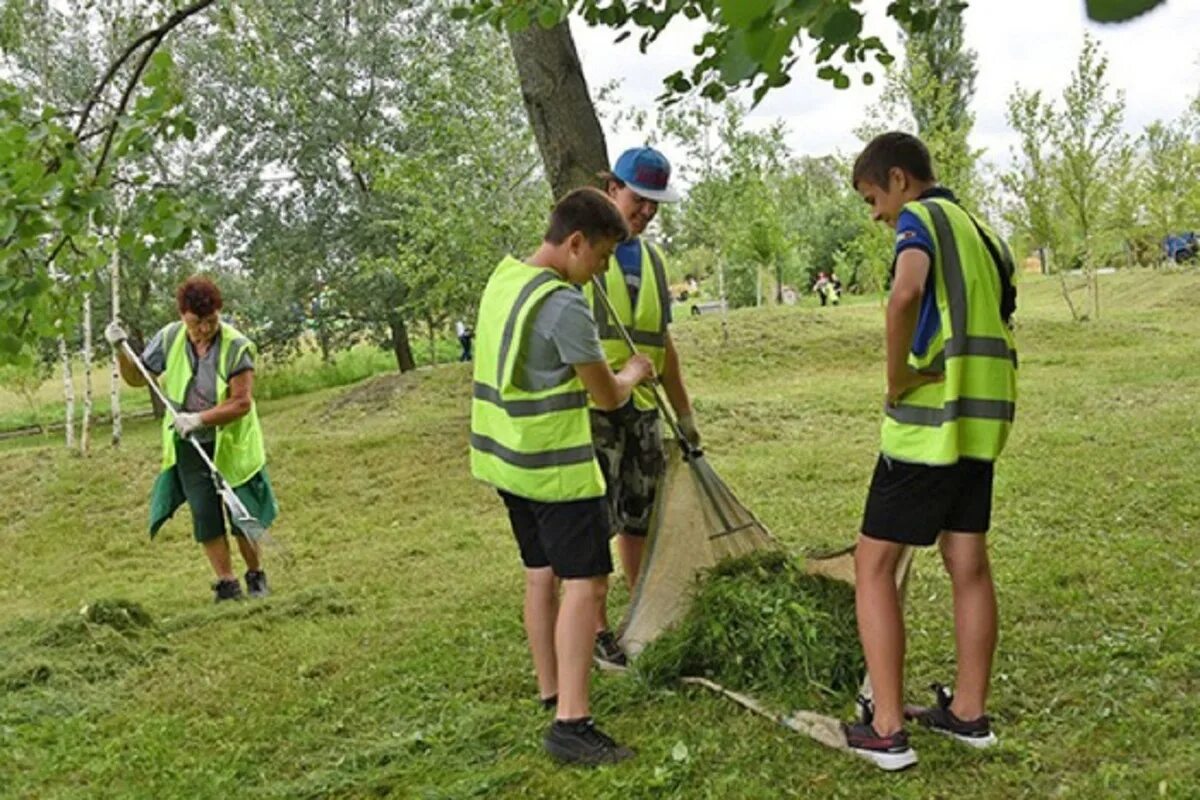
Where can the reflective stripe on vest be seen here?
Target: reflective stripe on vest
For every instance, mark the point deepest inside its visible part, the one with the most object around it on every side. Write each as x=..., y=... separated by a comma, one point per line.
x=970, y=412
x=238, y=452
x=533, y=444
x=646, y=323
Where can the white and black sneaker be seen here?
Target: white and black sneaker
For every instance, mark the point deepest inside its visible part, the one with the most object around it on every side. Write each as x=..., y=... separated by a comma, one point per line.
x=608, y=653
x=579, y=741
x=975, y=733
x=891, y=752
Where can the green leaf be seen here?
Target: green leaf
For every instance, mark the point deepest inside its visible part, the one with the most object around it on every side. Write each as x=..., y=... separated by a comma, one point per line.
x=843, y=26
x=741, y=13
x=1119, y=10
x=740, y=61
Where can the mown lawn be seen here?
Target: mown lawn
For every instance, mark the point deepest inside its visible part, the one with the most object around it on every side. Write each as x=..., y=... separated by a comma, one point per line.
x=391, y=660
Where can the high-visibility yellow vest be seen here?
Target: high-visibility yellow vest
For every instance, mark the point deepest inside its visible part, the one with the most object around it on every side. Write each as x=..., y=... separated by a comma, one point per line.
x=239, y=452
x=536, y=445
x=647, y=324
x=970, y=413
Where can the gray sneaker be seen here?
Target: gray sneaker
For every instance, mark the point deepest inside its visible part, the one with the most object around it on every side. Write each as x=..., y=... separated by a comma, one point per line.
x=227, y=590
x=608, y=653
x=256, y=583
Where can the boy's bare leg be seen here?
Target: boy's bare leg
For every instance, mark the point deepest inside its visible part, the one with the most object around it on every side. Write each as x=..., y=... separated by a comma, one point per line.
x=574, y=637
x=541, y=611
x=881, y=628
x=975, y=619
x=630, y=549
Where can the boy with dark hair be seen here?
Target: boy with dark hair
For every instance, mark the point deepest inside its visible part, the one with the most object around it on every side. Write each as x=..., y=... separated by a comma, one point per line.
x=951, y=398
x=537, y=361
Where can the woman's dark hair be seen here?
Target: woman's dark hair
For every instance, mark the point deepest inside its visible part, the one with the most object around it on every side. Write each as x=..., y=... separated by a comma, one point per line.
x=199, y=296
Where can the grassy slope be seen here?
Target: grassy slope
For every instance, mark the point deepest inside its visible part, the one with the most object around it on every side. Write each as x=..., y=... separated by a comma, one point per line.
x=391, y=659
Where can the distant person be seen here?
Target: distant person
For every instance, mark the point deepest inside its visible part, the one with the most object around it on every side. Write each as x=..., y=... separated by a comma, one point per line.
x=820, y=287
x=629, y=440
x=465, y=335
x=207, y=370
x=951, y=398
x=539, y=363
x=833, y=290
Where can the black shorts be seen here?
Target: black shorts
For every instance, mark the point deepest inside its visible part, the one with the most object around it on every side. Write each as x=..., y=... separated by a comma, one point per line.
x=569, y=537
x=913, y=503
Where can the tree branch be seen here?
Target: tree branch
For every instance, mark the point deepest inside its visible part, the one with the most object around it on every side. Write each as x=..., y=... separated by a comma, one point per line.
x=156, y=35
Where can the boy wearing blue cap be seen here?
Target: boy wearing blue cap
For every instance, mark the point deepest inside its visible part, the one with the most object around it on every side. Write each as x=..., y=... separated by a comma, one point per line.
x=629, y=441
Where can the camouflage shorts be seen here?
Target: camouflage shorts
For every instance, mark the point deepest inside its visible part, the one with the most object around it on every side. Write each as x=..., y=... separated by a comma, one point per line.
x=629, y=447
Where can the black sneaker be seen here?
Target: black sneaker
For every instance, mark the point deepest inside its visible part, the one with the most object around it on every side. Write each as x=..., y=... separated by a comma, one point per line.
x=581, y=742
x=608, y=652
x=976, y=733
x=227, y=590
x=889, y=753
x=548, y=703
x=256, y=583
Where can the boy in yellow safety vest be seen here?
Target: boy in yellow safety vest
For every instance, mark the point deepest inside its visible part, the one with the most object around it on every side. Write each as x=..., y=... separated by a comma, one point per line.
x=629, y=440
x=951, y=399
x=538, y=361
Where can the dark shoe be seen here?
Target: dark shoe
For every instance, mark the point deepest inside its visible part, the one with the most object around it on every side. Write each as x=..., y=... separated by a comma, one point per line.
x=976, y=733
x=608, y=652
x=548, y=703
x=256, y=583
x=581, y=742
x=227, y=590
x=889, y=753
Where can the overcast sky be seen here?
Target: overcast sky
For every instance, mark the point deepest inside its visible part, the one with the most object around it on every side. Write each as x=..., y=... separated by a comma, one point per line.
x=1035, y=43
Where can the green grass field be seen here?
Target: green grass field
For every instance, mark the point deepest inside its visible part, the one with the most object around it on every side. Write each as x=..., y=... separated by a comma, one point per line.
x=391, y=659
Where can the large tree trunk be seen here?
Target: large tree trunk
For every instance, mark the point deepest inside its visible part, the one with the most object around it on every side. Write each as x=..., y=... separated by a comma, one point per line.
x=400, y=345
x=560, y=109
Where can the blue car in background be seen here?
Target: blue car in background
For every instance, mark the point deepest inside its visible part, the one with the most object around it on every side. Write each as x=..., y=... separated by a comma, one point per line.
x=1181, y=247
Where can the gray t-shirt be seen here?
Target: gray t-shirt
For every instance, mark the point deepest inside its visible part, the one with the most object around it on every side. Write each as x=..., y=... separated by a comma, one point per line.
x=563, y=333
x=202, y=390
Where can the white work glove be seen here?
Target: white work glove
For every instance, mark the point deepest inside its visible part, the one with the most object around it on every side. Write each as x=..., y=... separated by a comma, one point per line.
x=687, y=425
x=115, y=334
x=186, y=423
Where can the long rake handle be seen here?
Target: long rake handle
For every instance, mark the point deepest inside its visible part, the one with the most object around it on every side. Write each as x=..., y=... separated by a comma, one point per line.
x=162, y=397
x=690, y=451
x=663, y=407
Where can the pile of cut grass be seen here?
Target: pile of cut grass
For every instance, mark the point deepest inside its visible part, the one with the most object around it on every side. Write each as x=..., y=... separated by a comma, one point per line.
x=760, y=624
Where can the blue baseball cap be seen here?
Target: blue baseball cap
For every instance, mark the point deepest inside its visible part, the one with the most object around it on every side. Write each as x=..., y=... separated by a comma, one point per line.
x=646, y=171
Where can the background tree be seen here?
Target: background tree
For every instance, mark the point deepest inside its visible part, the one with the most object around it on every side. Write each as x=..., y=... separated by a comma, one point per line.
x=64, y=150
x=364, y=156
x=1169, y=164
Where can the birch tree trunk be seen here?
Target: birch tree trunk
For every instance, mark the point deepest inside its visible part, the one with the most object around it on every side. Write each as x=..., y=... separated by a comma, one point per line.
x=68, y=390
x=560, y=109
x=85, y=429
x=114, y=394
